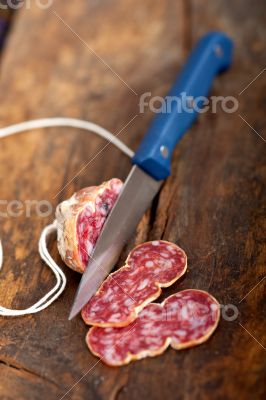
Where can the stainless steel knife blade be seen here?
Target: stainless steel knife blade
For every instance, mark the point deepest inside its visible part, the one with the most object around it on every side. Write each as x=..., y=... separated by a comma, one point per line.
x=136, y=196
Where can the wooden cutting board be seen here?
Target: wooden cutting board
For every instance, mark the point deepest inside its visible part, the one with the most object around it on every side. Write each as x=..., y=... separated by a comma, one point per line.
x=93, y=60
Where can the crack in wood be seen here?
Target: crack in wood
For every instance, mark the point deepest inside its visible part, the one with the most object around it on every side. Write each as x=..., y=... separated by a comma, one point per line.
x=187, y=26
x=116, y=393
x=27, y=371
x=118, y=389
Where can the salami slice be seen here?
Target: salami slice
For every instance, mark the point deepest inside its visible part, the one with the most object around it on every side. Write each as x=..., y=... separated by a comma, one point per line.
x=80, y=220
x=125, y=293
x=183, y=320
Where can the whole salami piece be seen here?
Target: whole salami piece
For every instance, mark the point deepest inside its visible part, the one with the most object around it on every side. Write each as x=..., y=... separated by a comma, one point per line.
x=80, y=220
x=185, y=319
x=149, y=267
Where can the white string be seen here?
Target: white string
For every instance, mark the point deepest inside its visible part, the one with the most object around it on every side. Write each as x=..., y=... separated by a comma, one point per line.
x=60, y=278
x=59, y=287
x=66, y=122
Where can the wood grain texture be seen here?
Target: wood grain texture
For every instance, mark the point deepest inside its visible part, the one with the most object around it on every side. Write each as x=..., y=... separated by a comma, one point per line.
x=212, y=205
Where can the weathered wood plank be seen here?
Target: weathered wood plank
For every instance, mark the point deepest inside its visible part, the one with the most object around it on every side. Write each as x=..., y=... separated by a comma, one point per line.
x=69, y=80
x=6, y=16
x=211, y=206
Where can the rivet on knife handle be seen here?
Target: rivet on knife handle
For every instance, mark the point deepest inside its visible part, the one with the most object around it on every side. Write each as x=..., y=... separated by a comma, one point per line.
x=212, y=54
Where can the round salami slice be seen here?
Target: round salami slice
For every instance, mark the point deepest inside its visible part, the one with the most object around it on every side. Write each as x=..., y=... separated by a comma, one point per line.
x=185, y=319
x=125, y=293
x=80, y=220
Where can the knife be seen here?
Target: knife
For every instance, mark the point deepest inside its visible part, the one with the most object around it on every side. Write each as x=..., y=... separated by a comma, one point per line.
x=152, y=161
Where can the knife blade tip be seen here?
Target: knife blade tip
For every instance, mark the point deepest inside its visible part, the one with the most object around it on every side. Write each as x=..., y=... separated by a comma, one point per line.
x=73, y=312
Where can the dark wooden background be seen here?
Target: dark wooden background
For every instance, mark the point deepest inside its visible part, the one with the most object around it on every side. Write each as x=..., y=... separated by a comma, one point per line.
x=212, y=205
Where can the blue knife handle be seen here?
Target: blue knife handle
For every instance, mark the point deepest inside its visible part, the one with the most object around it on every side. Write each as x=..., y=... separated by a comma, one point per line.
x=212, y=54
